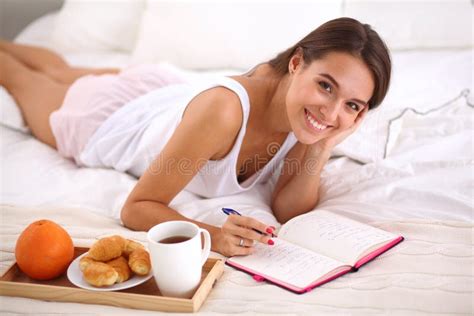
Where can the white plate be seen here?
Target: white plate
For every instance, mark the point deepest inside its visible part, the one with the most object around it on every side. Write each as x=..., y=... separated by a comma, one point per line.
x=74, y=274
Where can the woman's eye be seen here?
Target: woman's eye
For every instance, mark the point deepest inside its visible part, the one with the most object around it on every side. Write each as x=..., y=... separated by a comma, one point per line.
x=354, y=106
x=325, y=86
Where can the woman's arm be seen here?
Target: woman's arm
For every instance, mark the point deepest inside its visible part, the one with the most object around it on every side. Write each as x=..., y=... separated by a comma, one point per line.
x=142, y=215
x=297, y=189
x=209, y=126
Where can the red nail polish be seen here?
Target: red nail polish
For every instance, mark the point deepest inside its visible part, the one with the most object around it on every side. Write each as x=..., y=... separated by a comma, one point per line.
x=269, y=230
x=271, y=242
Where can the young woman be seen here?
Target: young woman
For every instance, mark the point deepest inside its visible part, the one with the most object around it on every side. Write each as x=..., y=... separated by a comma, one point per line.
x=216, y=137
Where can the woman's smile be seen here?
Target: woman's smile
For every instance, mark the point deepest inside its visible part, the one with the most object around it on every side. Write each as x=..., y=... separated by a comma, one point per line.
x=313, y=123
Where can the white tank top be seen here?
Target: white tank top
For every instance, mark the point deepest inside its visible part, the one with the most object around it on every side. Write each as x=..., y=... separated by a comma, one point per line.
x=133, y=136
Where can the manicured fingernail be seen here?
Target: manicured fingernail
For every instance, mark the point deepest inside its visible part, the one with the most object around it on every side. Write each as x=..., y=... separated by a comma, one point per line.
x=270, y=242
x=269, y=230
x=273, y=227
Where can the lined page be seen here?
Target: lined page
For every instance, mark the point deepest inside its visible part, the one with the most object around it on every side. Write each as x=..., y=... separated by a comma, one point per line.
x=333, y=235
x=288, y=263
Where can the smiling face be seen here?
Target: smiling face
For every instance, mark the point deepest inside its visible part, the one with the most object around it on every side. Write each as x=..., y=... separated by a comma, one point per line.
x=326, y=96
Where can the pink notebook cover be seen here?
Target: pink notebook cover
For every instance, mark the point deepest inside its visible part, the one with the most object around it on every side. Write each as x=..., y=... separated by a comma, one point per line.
x=259, y=277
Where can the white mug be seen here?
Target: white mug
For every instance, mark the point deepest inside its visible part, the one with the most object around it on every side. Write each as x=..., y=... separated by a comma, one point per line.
x=177, y=266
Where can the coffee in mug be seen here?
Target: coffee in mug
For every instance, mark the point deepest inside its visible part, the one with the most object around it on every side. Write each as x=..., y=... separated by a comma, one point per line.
x=177, y=256
x=174, y=239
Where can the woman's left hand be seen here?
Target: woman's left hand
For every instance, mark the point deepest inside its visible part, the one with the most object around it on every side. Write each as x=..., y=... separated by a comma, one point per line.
x=332, y=141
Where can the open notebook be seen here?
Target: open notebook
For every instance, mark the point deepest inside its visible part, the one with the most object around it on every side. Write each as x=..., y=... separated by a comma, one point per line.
x=313, y=249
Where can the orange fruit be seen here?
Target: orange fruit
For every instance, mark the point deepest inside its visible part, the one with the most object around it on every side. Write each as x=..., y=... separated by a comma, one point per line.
x=44, y=250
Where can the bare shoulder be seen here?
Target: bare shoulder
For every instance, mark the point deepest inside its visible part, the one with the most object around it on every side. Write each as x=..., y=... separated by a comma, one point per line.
x=216, y=112
x=210, y=123
x=218, y=105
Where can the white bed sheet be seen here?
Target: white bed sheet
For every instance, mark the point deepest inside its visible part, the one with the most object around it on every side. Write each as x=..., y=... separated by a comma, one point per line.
x=419, y=185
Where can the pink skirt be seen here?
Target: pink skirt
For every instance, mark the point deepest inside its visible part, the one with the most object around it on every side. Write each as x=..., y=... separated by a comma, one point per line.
x=93, y=98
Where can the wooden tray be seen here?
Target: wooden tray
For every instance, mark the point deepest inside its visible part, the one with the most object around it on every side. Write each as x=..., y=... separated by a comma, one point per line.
x=144, y=296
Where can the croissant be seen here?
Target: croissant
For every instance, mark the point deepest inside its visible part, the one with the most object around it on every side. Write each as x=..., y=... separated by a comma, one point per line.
x=106, y=262
x=100, y=274
x=120, y=265
x=108, y=248
x=139, y=261
x=130, y=246
x=84, y=262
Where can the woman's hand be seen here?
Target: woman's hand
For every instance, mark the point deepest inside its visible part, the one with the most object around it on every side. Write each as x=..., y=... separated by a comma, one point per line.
x=237, y=228
x=332, y=141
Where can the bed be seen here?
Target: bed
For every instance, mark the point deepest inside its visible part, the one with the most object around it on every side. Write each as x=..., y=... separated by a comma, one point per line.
x=409, y=170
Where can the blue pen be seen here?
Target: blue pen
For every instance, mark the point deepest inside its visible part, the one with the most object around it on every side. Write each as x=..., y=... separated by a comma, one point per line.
x=229, y=211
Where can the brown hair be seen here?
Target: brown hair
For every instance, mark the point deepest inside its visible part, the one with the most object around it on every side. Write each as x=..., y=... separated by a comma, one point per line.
x=344, y=35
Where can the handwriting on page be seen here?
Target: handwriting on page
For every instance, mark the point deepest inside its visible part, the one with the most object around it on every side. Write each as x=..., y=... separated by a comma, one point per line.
x=330, y=231
x=361, y=237
x=289, y=263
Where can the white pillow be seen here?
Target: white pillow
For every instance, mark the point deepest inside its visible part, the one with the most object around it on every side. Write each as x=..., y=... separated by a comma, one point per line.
x=376, y=137
x=443, y=133
x=38, y=32
x=406, y=24
x=420, y=79
x=367, y=144
x=226, y=34
x=97, y=25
